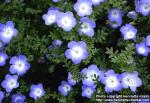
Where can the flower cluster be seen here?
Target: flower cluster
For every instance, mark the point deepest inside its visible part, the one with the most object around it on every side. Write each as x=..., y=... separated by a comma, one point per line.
x=128, y=31
x=80, y=21
x=67, y=21
x=91, y=75
x=112, y=81
x=64, y=20
x=19, y=65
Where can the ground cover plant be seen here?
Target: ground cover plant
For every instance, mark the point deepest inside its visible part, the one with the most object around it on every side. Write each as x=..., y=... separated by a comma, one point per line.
x=72, y=51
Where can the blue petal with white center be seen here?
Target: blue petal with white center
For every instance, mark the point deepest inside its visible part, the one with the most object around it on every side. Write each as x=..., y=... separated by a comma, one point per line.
x=128, y=32
x=10, y=82
x=83, y=7
x=87, y=91
x=51, y=16
x=115, y=17
x=90, y=75
x=64, y=88
x=142, y=49
x=131, y=80
x=111, y=81
x=66, y=21
x=143, y=7
x=19, y=65
x=87, y=27
x=77, y=51
x=36, y=91
x=7, y=31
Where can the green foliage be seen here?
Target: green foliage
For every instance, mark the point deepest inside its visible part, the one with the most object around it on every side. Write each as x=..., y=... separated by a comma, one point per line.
x=105, y=49
x=123, y=60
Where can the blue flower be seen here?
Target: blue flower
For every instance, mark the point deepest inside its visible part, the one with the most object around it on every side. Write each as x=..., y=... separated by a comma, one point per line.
x=132, y=15
x=128, y=32
x=115, y=17
x=56, y=0
x=83, y=7
x=147, y=40
x=7, y=1
x=142, y=49
x=19, y=65
x=57, y=43
x=87, y=91
x=71, y=80
x=1, y=96
x=130, y=80
x=10, y=82
x=77, y=51
x=143, y=7
x=51, y=16
x=18, y=98
x=97, y=2
x=90, y=75
x=111, y=81
x=36, y=91
x=3, y=58
x=87, y=27
x=7, y=32
x=64, y=88
x=66, y=21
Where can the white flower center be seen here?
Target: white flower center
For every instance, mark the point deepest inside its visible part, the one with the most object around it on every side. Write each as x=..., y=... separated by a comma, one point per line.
x=130, y=34
x=111, y=81
x=51, y=18
x=129, y=80
x=7, y=32
x=85, y=27
x=88, y=91
x=76, y=52
x=67, y=88
x=83, y=8
x=19, y=65
x=38, y=92
x=11, y=83
x=90, y=76
x=145, y=7
x=141, y=50
x=115, y=14
x=1, y=59
x=66, y=21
